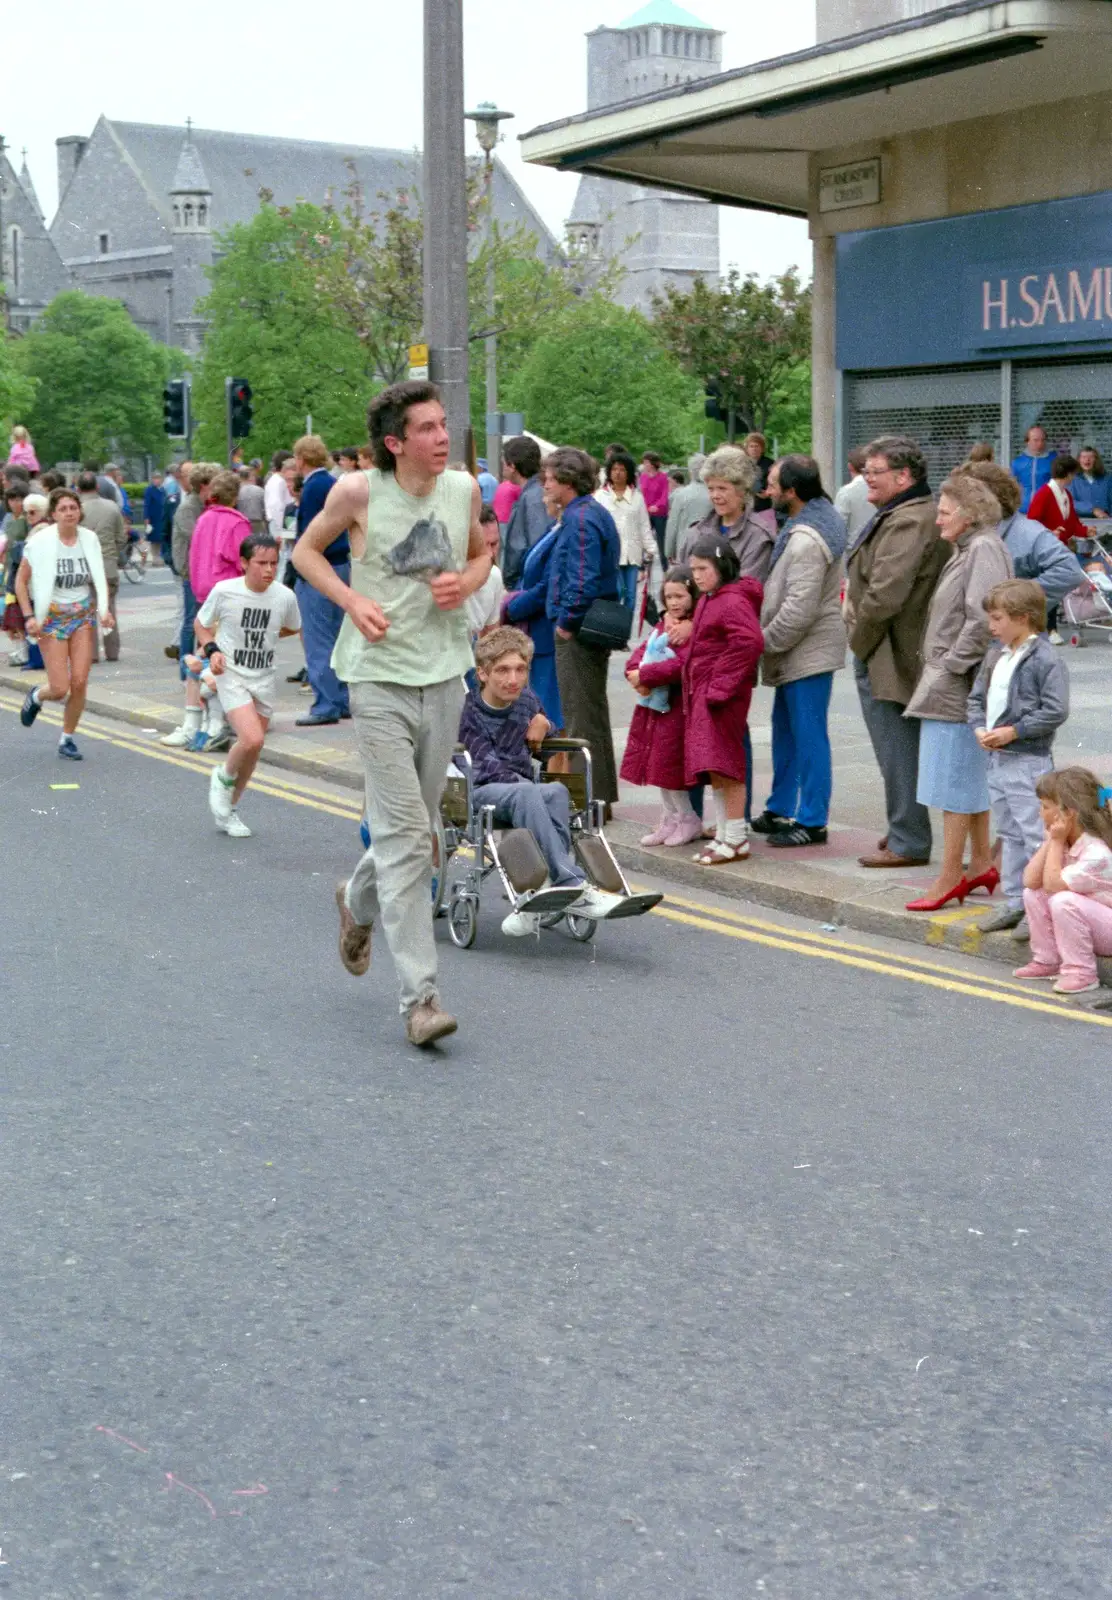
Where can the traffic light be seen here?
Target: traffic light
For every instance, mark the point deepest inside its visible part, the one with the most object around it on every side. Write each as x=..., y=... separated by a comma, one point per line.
x=712, y=402
x=239, y=408
x=175, y=408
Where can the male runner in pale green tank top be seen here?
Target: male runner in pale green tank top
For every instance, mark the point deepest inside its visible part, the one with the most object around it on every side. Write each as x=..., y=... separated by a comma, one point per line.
x=417, y=552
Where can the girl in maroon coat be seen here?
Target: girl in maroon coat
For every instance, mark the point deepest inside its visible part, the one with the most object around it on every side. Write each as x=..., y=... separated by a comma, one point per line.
x=654, y=750
x=718, y=678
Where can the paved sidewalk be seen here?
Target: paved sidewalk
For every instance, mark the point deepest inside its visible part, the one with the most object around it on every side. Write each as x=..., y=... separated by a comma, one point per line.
x=823, y=882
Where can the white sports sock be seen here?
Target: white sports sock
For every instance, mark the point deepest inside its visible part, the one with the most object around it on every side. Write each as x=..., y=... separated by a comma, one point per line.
x=226, y=778
x=719, y=812
x=36, y=697
x=737, y=831
x=193, y=719
x=668, y=801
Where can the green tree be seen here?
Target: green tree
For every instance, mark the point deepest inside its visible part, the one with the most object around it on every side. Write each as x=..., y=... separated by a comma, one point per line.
x=789, y=421
x=98, y=379
x=268, y=323
x=744, y=336
x=598, y=374
x=17, y=391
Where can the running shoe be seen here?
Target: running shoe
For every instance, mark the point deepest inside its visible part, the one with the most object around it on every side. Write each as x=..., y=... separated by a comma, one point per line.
x=220, y=795
x=234, y=827
x=68, y=749
x=594, y=904
x=197, y=741
x=222, y=741
x=180, y=739
x=30, y=709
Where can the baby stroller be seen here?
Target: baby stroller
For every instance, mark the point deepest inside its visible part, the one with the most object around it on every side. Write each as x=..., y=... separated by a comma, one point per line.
x=1089, y=606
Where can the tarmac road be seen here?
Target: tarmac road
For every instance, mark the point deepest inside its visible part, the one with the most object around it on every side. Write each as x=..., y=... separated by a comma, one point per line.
x=719, y=1257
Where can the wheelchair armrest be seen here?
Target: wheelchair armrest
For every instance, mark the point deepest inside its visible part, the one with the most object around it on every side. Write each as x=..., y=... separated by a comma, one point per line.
x=552, y=746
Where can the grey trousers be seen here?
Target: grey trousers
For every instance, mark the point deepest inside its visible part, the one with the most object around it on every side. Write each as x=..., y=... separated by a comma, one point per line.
x=1015, y=811
x=405, y=739
x=581, y=672
x=895, y=742
x=545, y=810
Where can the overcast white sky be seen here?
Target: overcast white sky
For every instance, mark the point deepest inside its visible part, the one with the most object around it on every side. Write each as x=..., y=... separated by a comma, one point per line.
x=350, y=73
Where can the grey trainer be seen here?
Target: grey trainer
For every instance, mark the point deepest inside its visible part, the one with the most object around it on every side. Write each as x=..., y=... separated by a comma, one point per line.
x=425, y=1023
x=355, y=940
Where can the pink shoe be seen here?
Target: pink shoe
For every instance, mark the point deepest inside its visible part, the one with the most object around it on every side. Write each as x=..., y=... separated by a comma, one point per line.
x=1035, y=969
x=685, y=831
x=662, y=833
x=1076, y=985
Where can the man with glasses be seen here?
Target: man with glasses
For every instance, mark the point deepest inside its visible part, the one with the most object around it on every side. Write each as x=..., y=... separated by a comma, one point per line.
x=892, y=569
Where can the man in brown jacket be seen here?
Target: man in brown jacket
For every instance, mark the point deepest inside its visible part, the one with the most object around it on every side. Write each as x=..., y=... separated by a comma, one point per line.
x=892, y=570
x=106, y=520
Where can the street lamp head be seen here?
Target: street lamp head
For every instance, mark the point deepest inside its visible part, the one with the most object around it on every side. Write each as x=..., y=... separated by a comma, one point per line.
x=486, y=118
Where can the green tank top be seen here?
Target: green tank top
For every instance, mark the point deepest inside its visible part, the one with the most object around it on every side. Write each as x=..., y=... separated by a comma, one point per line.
x=407, y=537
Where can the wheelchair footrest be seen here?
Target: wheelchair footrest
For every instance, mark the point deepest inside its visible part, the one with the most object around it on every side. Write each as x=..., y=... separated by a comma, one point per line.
x=634, y=905
x=546, y=900
x=520, y=859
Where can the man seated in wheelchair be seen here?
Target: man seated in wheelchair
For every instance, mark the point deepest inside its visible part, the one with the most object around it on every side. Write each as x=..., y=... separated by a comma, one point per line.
x=501, y=726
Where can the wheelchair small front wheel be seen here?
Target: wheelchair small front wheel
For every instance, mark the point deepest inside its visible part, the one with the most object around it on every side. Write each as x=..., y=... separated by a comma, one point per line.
x=581, y=928
x=463, y=922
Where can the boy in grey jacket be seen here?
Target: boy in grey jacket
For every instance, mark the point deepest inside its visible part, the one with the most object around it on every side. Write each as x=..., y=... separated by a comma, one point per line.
x=1020, y=699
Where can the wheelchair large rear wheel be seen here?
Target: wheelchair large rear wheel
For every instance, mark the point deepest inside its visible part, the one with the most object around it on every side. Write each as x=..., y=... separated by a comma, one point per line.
x=463, y=921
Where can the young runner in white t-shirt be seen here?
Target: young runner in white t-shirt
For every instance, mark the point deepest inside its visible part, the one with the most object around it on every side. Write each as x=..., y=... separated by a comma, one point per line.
x=238, y=629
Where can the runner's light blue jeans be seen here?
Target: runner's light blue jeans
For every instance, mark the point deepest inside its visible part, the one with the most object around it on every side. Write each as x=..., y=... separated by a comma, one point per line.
x=405, y=737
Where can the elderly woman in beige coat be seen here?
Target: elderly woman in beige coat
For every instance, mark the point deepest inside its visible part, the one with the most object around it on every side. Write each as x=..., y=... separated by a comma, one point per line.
x=953, y=769
x=729, y=475
x=805, y=644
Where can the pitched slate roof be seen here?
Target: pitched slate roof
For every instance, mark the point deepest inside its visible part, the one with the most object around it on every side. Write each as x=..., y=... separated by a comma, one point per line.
x=237, y=165
x=189, y=176
x=667, y=14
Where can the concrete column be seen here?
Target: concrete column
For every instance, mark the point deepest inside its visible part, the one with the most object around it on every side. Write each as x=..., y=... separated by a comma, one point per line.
x=445, y=214
x=823, y=372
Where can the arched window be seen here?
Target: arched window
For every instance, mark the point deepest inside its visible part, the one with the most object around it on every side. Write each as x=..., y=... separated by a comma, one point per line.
x=202, y=214
x=177, y=215
x=187, y=213
x=15, y=248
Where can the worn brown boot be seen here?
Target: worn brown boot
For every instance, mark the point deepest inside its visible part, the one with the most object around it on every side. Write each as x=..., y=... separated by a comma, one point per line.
x=355, y=940
x=426, y=1022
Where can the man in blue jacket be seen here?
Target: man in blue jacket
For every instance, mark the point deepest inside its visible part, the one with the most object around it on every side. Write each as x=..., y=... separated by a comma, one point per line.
x=320, y=617
x=528, y=519
x=1032, y=466
x=584, y=568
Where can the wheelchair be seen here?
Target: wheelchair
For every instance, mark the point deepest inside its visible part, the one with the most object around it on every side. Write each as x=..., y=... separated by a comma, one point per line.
x=465, y=827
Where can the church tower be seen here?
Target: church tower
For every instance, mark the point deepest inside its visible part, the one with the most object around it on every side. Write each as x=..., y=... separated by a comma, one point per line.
x=191, y=234
x=675, y=237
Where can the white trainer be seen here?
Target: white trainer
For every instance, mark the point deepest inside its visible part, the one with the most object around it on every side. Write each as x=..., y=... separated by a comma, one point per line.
x=595, y=904
x=220, y=796
x=235, y=828
x=521, y=923
x=179, y=739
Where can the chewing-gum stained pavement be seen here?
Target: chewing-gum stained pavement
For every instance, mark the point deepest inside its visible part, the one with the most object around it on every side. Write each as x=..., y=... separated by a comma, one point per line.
x=824, y=882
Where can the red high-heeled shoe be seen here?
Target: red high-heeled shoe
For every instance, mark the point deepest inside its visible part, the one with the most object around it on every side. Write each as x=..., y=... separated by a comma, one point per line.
x=987, y=880
x=958, y=893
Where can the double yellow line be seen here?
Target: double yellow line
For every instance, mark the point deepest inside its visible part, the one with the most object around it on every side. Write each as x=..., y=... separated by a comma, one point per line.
x=690, y=913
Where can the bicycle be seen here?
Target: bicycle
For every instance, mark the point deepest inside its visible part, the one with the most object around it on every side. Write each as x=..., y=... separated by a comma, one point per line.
x=129, y=563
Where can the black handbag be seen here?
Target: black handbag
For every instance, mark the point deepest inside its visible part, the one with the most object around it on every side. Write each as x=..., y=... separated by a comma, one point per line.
x=607, y=625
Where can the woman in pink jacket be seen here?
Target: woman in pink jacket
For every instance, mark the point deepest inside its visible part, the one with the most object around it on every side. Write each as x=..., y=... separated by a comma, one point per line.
x=220, y=530
x=22, y=452
x=718, y=679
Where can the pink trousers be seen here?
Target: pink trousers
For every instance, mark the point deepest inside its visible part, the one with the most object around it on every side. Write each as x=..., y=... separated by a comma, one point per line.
x=1068, y=931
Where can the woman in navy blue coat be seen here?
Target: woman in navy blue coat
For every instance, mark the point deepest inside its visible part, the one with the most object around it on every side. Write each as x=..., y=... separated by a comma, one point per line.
x=525, y=608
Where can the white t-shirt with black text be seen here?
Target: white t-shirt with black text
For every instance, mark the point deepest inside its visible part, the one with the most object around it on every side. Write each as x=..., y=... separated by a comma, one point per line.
x=73, y=582
x=247, y=625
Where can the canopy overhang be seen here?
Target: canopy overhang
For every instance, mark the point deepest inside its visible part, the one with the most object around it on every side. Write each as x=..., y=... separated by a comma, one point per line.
x=746, y=137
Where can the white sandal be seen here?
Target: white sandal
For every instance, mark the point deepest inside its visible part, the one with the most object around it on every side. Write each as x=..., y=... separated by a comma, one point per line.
x=720, y=853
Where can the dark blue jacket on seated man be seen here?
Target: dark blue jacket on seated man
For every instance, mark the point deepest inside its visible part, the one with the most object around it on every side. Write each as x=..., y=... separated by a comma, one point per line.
x=584, y=565
x=320, y=619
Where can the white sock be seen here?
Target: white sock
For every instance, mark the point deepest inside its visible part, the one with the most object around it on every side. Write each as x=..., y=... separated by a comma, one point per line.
x=719, y=812
x=668, y=803
x=681, y=803
x=737, y=830
x=193, y=719
x=36, y=697
x=226, y=778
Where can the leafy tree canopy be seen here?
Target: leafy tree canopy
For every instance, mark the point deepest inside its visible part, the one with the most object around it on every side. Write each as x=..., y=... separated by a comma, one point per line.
x=97, y=380
x=599, y=374
x=745, y=336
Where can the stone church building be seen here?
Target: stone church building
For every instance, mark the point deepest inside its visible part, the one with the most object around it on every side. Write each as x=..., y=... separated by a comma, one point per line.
x=660, y=237
x=140, y=207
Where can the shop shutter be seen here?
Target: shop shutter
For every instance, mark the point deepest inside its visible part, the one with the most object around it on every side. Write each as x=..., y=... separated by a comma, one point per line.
x=946, y=410
x=1072, y=400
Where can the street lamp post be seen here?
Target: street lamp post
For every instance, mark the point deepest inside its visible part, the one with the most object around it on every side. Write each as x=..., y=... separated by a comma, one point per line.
x=445, y=209
x=486, y=118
